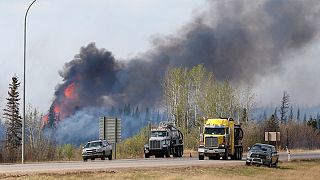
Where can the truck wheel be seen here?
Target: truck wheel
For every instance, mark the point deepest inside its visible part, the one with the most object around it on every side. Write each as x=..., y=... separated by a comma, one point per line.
x=181, y=151
x=275, y=164
x=176, y=152
x=240, y=153
x=226, y=154
x=85, y=159
x=167, y=154
x=103, y=156
x=146, y=155
x=235, y=155
x=110, y=156
x=201, y=157
x=92, y=159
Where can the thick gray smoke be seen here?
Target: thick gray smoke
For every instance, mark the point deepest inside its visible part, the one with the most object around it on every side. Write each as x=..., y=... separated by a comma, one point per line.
x=235, y=39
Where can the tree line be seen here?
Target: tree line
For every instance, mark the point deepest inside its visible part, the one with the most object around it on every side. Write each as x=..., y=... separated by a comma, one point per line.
x=189, y=95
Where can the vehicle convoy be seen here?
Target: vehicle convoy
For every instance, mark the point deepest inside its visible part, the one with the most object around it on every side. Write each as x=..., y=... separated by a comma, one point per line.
x=165, y=140
x=220, y=138
x=262, y=154
x=97, y=149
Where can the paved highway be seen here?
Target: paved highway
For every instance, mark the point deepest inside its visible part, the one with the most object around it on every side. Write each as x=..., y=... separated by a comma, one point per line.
x=128, y=163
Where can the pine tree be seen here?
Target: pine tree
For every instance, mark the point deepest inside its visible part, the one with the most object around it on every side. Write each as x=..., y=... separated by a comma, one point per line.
x=272, y=124
x=52, y=118
x=275, y=113
x=298, y=115
x=291, y=114
x=284, y=107
x=312, y=122
x=13, y=120
x=305, y=119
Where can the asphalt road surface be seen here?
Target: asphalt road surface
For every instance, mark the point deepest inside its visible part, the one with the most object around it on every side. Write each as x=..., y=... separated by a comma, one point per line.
x=54, y=167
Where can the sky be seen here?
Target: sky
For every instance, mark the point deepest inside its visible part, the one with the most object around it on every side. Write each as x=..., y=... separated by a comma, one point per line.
x=58, y=28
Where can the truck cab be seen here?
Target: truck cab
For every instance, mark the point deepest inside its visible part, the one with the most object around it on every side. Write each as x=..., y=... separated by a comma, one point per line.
x=220, y=138
x=165, y=140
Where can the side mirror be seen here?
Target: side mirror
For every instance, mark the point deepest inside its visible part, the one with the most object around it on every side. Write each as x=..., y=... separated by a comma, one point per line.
x=249, y=148
x=82, y=147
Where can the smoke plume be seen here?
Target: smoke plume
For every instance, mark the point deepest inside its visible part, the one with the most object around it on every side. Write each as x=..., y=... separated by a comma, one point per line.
x=236, y=39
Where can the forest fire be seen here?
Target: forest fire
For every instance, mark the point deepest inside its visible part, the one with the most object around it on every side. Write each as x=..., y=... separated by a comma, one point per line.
x=56, y=109
x=70, y=91
x=59, y=109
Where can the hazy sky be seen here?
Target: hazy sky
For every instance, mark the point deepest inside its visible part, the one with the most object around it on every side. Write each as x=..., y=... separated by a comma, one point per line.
x=58, y=28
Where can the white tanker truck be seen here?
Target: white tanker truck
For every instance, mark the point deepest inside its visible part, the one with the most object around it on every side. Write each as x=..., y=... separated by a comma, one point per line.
x=165, y=140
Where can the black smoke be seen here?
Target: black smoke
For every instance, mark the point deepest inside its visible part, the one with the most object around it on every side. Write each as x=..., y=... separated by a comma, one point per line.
x=236, y=39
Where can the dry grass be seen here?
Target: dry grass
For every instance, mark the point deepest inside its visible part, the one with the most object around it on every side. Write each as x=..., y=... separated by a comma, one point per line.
x=307, y=169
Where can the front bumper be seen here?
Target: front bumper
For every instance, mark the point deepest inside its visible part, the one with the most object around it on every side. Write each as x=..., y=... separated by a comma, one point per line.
x=211, y=151
x=260, y=161
x=93, y=155
x=151, y=152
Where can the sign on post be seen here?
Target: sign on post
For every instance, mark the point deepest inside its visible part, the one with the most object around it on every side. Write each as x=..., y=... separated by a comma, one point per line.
x=110, y=129
x=272, y=136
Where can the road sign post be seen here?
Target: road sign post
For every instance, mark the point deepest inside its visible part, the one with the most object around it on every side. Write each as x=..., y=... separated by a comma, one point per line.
x=110, y=130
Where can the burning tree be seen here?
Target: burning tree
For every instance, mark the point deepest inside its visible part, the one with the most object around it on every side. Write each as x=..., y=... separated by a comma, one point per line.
x=13, y=120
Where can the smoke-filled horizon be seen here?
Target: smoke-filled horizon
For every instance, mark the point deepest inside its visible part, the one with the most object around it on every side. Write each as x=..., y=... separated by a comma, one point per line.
x=237, y=40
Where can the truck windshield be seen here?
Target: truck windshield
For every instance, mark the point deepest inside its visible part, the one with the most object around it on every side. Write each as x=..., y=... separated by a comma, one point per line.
x=158, y=133
x=215, y=131
x=93, y=144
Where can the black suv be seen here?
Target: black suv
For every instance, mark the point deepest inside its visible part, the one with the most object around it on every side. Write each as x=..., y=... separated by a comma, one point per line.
x=262, y=154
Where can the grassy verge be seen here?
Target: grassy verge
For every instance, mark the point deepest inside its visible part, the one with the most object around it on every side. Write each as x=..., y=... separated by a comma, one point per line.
x=306, y=169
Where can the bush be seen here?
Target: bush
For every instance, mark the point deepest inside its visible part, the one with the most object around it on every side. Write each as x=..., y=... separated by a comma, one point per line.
x=68, y=151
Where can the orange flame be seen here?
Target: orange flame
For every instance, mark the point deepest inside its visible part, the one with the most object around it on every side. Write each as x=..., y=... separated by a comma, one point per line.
x=56, y=109
x=69, y=91
x=45, y=118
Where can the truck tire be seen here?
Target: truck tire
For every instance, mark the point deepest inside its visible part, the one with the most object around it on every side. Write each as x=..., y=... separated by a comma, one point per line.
x=146, y=155
x=180, y=151
x=110, y=156
x=237, y=154
x=167, y=154
x=240, y=153
x=226, y=155
x=92, y=159
x=103, y=156
x=201, y=157
x=176, y=151
x=85, y=159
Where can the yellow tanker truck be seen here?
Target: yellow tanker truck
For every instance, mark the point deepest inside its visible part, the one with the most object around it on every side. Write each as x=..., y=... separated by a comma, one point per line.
x=220, y=138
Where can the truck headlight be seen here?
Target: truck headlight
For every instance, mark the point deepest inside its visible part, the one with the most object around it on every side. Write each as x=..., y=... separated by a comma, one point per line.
x=163, y=142
x=99, y=150
x=84, y=151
